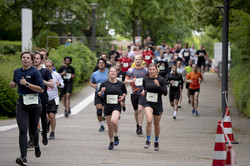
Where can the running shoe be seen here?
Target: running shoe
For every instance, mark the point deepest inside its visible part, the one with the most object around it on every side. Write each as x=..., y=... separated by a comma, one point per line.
x=147, y=144
x=111, y=146
x=179, y=106
x=21, y=161
x=45, y=140
x=66, y=114
x=52, y=136
x=37, y=151
x=116, y=141
x=102, y=128
x=193, y=111
x=156, y=146
x=124, y=109
x=196, y=113
x=174, y=117
x=30, y=145
x=140, y=131
x=137, y=129
x=69, y=112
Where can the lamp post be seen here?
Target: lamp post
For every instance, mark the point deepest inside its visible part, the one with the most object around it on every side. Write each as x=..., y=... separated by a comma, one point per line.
x=93, y=7
x=225, y=14
x=138, y=27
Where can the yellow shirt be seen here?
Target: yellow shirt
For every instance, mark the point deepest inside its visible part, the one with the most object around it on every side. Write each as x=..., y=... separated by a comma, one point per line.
x=133, y=65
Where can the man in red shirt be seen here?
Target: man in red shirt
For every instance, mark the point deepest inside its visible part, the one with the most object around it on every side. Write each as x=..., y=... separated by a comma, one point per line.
x=125, y=62
x=194, y=78
x=148, y=55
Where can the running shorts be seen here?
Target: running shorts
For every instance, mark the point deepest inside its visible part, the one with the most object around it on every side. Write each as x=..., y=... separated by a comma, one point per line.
x=192, y=91
x=52, y=107
x=157, y=108
x=136, y=100
x=67, y=88
x=98, y=99
x=109, y=108
x=174, y=95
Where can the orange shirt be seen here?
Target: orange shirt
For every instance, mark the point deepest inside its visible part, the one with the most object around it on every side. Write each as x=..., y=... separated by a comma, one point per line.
x=194, y=77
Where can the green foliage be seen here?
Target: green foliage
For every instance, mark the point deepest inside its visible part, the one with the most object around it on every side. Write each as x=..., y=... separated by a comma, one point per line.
x=41, y=39
x=84, y=60
x=10, y=47
x=8, y=96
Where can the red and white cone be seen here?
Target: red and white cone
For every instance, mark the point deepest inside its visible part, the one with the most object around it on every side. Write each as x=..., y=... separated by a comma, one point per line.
x=230, y=156
x=220, y=151
x=228, y=127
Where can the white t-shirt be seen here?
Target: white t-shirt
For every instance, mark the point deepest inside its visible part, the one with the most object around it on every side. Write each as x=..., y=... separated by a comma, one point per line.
x=53, y=92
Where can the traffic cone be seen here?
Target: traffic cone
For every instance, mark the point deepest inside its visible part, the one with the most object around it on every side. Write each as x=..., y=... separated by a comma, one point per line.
x=230, y=156
x=220, y=152
x=228, y=127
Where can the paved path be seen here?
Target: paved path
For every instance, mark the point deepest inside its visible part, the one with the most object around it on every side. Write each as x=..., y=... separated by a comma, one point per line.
x=187, y=141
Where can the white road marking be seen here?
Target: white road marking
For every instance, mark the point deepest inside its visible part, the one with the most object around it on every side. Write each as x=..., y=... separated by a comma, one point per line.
x=75, y=110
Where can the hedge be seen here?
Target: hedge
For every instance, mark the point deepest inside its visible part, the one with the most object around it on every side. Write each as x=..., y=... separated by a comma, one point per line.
x=41, y=39
x=10, y=47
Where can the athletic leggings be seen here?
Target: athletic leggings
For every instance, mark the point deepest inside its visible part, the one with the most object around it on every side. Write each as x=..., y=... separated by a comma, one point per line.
x=27, y=117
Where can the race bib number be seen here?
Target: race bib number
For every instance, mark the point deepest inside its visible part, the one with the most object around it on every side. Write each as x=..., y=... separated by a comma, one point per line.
x=125, y=64
x=98, y=86
x=152, y=97
x=201, y=54
x=29, y=99
x=119, y=78
x=147, y=57
x=175, y=83
x=138, y=81
x=67, y=76
x=186, y=54
x=57, y=100
x=162, y=67
x=169, y=59
x=112, y=99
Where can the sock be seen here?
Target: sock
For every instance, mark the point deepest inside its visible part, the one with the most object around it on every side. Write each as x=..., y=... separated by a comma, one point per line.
x=148, y=138
x=156, y=139
x=179, y=104
x=116, y=135
x=101, y=123
x=111, y=140
x=174, y=113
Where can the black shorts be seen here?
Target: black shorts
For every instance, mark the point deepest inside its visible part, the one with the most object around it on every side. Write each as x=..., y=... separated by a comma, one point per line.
x=201, y=63
x=174, y=95
x=52, y=107
x=157, y=108
x=98, y=99
x=192, y=91
x=187, y=85
x=109, y=108
x=68, y=86
x=137, y=99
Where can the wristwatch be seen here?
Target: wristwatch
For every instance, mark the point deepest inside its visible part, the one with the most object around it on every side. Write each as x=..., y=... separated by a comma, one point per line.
x=27, y=84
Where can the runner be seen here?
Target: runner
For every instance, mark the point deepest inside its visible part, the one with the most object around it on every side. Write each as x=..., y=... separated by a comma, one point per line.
x=194, y=78
x=176, y=82
x=125, y=62
x=148, y=55
x=181, y=71
x=96, y=79
x=162, y=63
x=104, y=56
x=154, y=87
x=114, y=93
x=53, y=97
x=134, y=77
x=202, y=56
x=188, y=69
x=68, y=73
x=121, y=77
x=185, y=54
x=48, y=82
x=29, y=82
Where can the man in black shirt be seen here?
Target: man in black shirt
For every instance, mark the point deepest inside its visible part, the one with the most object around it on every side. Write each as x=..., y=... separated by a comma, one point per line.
x=176, y=83
x=121, y=77
x=115, y=53
x=68, y=73
x=202, y=56
x=48, y=82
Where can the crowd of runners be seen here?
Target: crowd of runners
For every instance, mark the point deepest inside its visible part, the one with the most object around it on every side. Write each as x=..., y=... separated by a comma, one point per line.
x=146, y=71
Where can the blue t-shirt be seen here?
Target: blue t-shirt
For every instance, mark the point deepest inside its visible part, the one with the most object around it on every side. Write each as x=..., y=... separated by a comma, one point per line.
x=98, y=77
x=32, y=75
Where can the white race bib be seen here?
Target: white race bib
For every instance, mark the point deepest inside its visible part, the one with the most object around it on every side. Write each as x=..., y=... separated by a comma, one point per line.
x=175, y=83
x=29, y=99
x=119, y=78
x=57, y=100
x=162, y=67
x=147, y=57
x=186, y=54
x=112, y=99
x=201, y=54
x=125, y=64
x=67, y=76
x=138, y=81
x=152, y=97
x=169, y=59
x=98, y=86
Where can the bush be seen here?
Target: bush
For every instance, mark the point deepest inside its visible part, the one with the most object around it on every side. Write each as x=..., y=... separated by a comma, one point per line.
x=41, y=39
x=10, y=47
x=84, y=60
